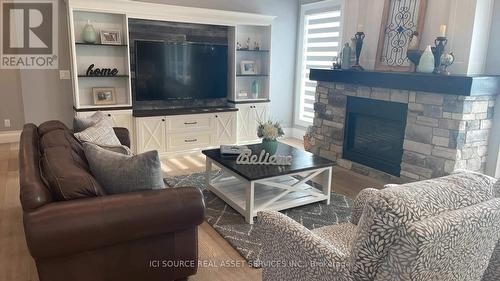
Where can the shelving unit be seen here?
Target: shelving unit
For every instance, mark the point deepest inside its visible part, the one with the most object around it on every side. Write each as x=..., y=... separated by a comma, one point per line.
x=99, y=44
x=261, y=57
x=89, y=76
x=102, y=56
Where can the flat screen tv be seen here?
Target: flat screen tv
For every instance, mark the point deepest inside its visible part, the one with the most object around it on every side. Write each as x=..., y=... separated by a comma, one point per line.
x=173, y=71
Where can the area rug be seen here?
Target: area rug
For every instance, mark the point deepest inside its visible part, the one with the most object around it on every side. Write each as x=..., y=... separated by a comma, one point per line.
x=242, y=236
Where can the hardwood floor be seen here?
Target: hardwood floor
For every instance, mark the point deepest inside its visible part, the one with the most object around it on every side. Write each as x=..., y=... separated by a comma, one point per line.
x=16, y=263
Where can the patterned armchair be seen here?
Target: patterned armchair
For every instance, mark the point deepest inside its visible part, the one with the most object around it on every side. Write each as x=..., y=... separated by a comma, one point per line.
x=442, y=229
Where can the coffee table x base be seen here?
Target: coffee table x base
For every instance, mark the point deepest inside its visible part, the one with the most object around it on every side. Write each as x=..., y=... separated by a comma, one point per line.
x=248, y=197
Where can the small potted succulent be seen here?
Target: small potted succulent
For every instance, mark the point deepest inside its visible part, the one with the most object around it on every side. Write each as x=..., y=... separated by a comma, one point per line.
x=269, y=132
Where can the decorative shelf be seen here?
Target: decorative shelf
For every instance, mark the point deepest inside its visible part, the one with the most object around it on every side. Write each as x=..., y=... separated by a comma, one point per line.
x=256, y=51
x=99, y=44
x=116, y=76
x=84, y=108
x=252, y=75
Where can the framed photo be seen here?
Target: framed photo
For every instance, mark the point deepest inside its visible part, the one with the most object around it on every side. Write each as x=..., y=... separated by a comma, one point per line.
x=248, y=67
x=104, y=96
x=111, y=37
x=243, y=94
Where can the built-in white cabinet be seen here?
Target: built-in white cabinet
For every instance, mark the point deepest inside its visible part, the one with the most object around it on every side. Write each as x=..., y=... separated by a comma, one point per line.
x=151, y=133
x=226, y=128
x=184, y=133
x=250, y=62
x=249, y=116
x=99, y=55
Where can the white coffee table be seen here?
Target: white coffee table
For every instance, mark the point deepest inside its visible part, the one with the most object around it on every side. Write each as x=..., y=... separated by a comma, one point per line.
x=253, y=188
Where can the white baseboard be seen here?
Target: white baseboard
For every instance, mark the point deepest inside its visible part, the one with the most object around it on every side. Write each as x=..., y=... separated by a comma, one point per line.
x=10, y=136
x=294, y=133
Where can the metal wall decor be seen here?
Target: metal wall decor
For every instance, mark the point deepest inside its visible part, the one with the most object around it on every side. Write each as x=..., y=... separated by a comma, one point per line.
x=400, y=19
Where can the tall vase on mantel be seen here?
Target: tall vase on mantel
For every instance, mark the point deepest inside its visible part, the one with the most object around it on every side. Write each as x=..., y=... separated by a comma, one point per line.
x=89, y=35
x=426, y=64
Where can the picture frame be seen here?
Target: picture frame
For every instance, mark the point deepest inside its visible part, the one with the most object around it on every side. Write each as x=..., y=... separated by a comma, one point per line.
x=243, y=94
x=104, y=96
x=111, y=37
x=248, y=67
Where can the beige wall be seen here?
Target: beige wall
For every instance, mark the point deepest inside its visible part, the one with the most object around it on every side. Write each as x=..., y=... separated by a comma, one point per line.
x=45, y=96
x=458, y=15
x=11, y=102
x=35, y=96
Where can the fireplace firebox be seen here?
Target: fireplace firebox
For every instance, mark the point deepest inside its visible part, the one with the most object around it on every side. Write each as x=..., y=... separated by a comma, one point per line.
x=374, y=133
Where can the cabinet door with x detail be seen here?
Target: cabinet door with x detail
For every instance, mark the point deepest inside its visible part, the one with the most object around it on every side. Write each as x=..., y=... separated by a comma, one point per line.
x=225, y=124
x=151, y=134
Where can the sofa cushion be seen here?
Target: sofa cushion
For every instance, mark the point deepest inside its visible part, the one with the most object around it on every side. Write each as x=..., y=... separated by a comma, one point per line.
x=66, y=178
x=418, y=200
x=389, y=212
x=119, y=173
x=454, y=245
x=340, y=235
x=50, y=126
x=101, y=133
x=64, y=138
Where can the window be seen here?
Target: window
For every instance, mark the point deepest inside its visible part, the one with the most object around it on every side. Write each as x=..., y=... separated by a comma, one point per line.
x=319, y=45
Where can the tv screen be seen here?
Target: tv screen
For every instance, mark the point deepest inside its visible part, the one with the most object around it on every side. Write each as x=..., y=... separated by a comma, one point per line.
x=170, y=71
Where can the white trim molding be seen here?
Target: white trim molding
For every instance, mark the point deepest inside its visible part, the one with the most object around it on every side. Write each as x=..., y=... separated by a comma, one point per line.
x=10, y=136
x=154, y=11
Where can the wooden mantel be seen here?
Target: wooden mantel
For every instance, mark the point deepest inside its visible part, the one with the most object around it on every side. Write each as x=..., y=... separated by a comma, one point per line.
x=461, y=85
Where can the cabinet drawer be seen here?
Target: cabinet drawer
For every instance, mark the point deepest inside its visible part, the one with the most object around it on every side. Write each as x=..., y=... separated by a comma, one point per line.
x=178, y=142
x=188, y=123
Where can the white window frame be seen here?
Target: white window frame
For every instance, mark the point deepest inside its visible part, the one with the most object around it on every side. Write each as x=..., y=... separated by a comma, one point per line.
x=300, y=54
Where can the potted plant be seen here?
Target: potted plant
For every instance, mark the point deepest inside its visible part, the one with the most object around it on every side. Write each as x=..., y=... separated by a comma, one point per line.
x=269, y=132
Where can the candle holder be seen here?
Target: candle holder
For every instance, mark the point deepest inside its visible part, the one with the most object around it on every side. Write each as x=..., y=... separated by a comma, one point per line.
x=437, y=51
x=358, y=39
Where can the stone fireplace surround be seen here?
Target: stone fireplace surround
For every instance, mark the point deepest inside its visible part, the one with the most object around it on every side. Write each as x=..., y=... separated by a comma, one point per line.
x=444, y=132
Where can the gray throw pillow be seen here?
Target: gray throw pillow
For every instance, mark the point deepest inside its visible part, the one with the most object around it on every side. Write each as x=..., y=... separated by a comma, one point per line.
x=118, y=173
x=122, y=149
x=101, y=133
x=82, y=123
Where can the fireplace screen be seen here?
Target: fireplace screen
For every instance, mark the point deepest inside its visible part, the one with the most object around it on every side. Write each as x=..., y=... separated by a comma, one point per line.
x=375, y=134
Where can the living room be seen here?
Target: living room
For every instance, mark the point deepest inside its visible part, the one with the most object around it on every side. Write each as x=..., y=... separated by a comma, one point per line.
x=249, y=140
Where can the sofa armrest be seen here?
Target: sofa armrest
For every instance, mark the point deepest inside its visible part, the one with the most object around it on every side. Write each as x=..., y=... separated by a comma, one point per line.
x=360, y=202
x=123, y=135
x=292, y=252
x=75, y=226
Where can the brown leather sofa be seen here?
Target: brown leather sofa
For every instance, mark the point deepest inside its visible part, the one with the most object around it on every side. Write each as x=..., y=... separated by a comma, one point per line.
x=150, y=235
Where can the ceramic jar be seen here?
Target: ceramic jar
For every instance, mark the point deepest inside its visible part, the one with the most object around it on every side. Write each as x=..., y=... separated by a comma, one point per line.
x=426, y=64
x=89, y=35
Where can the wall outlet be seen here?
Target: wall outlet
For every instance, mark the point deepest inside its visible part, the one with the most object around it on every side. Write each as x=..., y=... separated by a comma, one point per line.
x=64, y=74
x=6, y=123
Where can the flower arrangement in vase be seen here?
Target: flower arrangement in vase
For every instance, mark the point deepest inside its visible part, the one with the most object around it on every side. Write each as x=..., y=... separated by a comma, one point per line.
x=270, y=132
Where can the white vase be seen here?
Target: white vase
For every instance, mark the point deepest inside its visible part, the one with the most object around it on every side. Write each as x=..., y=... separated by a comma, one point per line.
x=426, y=64
x=89, y=35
